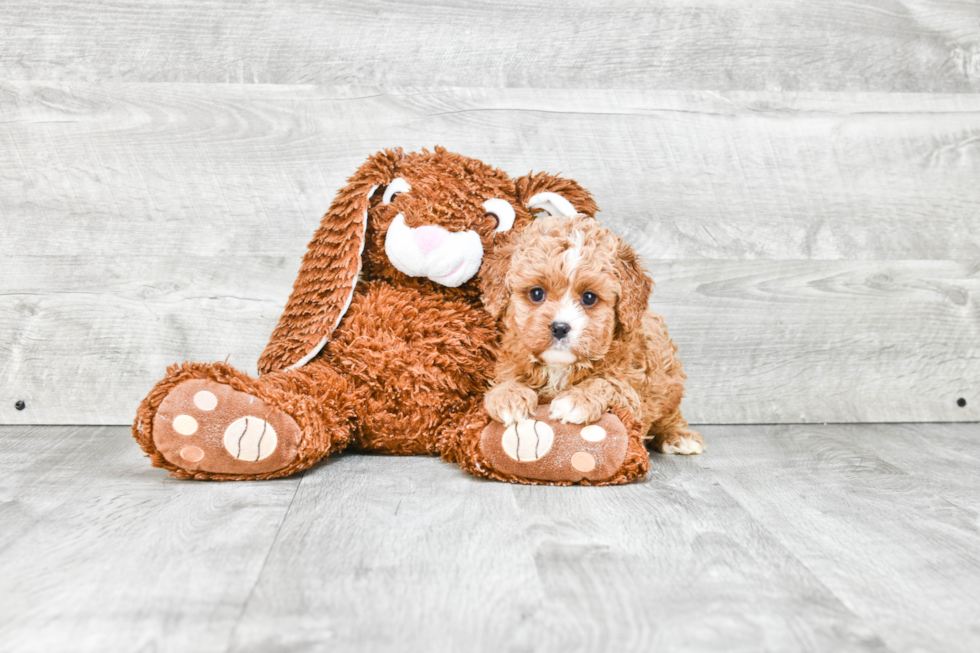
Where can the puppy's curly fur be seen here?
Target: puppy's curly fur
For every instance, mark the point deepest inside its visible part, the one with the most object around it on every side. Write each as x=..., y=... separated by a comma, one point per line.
x=577, y=331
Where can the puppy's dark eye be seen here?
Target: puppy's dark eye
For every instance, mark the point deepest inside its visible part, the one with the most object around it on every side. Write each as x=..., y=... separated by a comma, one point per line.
x=536, y=294
x=496, y=219
x=589, y=298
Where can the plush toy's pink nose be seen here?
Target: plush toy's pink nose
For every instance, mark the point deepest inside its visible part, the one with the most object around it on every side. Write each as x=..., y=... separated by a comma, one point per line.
x=429, y=238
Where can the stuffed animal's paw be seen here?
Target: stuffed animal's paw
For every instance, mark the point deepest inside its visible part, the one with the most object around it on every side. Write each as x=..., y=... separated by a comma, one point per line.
x=542, y=449
x=205, y=426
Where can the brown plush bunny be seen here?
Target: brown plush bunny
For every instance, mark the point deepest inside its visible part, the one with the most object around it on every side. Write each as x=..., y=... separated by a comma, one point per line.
x=384, y=344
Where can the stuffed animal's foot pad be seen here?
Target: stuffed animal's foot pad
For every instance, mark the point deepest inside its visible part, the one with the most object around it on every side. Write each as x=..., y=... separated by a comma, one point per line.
x=546, y=450
x=209, y=427
x=528, y=440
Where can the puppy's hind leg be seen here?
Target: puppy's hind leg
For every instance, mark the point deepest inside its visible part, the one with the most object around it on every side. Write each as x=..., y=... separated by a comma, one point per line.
x=672, y=435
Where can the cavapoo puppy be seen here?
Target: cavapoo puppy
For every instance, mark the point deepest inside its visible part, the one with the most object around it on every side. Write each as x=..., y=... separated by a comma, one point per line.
x=577, y=332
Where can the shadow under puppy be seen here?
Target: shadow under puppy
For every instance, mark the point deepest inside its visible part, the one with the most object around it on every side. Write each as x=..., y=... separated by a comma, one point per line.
x=577, y=332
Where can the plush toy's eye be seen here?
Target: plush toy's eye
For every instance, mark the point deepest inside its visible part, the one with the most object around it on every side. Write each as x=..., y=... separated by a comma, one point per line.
x=502, y=211
x=537, y=294
x=398, y=185
x=589, y=298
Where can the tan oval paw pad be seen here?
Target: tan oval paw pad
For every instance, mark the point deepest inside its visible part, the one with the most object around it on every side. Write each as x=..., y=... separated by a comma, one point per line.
x=250, y=438
x=185, y=425
x=583, y=461
x=527, y=440
x=205, y=400
x=593, y=433
x=192, y=454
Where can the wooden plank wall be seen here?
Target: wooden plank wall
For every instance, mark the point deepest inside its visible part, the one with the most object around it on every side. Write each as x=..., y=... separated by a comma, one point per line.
x=803, y=179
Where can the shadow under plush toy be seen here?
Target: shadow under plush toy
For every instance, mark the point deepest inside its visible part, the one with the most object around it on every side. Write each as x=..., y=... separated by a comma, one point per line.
x=384, y=345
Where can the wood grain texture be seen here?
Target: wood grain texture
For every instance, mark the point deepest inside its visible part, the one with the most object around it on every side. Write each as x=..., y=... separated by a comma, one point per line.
x=86, y=337
x=654, y=566
x=100, y=552
x=824, y=341
x=148, y=224
x=784, y=538
x=883, y=540
x=770, y=341
x=944, y=465
x=147, y=169
x=790, y=45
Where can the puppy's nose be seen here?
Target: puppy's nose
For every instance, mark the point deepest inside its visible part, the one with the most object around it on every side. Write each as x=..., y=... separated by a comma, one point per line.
x=559, y=330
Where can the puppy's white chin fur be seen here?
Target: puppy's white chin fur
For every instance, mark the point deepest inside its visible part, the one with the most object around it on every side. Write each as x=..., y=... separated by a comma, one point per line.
x=558, y=357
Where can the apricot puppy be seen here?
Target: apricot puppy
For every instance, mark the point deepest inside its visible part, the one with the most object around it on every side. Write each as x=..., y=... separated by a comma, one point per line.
x=577, y=332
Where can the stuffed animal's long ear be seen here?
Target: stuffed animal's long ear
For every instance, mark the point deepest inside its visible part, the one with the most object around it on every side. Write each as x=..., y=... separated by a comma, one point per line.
x=325, y=285
x=493, y=275
x=555, y=195
x=636, y=288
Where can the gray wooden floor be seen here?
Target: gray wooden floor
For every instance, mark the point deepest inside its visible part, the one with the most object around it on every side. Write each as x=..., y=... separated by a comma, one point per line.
x=779, y=538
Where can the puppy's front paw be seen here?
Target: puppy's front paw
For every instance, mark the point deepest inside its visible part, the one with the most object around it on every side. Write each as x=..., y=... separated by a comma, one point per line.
x=510, y=402
x=566, y=411
x=576, y=408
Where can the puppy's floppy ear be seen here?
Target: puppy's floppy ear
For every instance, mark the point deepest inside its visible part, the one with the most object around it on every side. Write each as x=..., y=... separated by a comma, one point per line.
x=493, y=275
x=554, y=194
x=324, y=287
x=636, y=288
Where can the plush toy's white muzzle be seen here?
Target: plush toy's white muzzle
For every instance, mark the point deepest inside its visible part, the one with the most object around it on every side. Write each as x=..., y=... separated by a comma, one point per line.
x=449, y=258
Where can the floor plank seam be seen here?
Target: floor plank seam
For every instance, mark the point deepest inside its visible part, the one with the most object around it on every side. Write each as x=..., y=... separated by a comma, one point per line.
x=816, y=579
x=265, y=561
